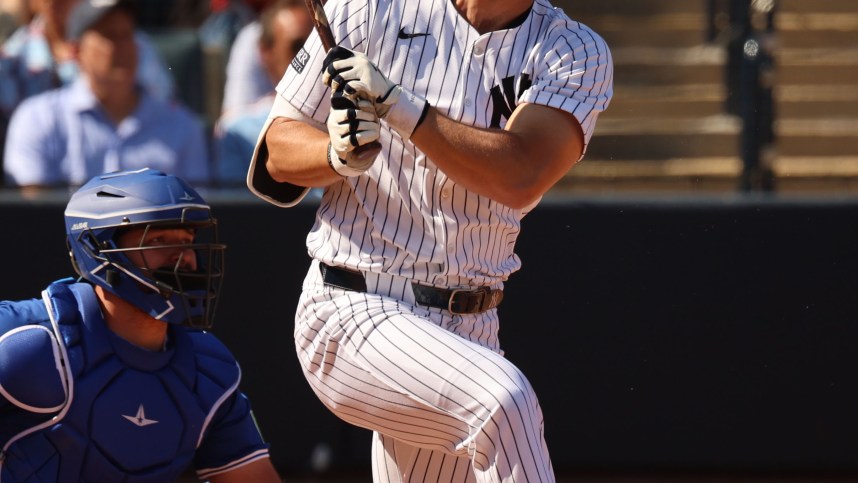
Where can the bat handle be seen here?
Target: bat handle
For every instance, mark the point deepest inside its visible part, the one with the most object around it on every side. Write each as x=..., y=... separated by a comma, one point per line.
x=323, y=28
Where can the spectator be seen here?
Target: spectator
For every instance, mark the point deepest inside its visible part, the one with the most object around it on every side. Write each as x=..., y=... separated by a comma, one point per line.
x=246, y=79
x=225, y=20
x=103, y=121
x=217, y=33
x=13, y=14
x=38, y=57
x=278, y=36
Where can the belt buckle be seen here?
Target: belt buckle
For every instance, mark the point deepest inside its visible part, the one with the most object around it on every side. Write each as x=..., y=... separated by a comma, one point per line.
x=482, y=292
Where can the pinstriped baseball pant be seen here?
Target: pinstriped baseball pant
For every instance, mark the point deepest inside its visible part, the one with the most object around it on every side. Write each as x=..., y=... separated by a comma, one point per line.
x=443, y=402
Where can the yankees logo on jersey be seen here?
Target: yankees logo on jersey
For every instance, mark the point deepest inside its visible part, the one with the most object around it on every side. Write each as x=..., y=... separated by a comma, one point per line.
x=504, y=97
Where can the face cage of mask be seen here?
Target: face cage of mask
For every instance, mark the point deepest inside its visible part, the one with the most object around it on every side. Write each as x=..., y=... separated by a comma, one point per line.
x=197, y=290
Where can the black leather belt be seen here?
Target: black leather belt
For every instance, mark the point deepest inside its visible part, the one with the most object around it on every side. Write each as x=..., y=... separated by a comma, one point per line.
x=457, y=301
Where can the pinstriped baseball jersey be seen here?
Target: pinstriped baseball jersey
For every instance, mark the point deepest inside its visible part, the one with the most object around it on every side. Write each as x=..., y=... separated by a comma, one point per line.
x=404, y=217
x=433, y=385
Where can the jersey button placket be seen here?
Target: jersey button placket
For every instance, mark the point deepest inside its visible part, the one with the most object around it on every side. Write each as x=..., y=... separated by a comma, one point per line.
x=479, y=46
x=475, y=52
x=448, y=223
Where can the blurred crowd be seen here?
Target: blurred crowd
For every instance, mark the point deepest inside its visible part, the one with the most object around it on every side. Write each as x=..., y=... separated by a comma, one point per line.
x=183, y=86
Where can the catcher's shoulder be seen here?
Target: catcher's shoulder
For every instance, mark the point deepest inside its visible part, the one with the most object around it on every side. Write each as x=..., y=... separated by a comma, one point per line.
x=31, y=375
x=214, y=358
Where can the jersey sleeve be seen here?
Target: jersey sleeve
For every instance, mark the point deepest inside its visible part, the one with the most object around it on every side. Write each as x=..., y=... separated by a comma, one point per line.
x=573, y=71
x=301, y=85
x=232, y=440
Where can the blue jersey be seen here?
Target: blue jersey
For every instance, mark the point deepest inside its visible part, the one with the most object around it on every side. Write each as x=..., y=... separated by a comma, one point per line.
x=78, y=403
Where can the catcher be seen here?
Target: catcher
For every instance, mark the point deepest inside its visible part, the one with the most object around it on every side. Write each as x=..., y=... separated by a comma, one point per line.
x=111, y=377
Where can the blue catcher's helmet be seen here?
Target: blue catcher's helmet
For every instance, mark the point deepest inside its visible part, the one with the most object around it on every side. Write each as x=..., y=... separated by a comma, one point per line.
x=110, y=204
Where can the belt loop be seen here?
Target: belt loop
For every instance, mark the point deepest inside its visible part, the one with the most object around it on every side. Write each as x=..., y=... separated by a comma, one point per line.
x=492, y=299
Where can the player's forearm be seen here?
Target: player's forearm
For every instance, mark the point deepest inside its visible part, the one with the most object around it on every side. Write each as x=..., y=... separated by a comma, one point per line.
x=512, y=167
x=297, y=154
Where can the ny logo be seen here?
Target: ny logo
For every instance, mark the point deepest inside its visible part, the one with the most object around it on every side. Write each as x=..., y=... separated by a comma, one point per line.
x=504, y=98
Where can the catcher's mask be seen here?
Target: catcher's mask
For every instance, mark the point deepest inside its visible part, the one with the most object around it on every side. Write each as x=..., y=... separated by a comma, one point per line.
x=113, y=228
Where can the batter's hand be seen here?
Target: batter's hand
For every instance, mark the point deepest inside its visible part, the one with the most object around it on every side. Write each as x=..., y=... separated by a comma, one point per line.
x=356, y=76
x=351, y=126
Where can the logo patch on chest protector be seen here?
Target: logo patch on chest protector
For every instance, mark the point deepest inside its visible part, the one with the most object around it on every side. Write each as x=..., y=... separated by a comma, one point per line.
x=301, y=60
x=140, y=418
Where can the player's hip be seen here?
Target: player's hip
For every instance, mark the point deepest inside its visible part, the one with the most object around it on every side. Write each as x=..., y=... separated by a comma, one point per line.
x=337, y=310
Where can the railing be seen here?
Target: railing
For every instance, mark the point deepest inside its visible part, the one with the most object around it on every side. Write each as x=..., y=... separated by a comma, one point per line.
x=748, y=29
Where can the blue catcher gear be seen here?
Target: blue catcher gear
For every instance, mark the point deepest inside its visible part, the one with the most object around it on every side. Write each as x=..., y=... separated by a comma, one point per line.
x=97, y=408
x=109, y=205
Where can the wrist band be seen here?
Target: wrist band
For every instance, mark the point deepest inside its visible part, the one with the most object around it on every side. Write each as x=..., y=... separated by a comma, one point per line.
x=422, y=116
x=406, y=113
x=331, y=163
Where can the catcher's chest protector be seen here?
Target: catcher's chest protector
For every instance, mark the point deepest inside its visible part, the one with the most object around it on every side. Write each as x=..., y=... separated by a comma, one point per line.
x=131, y=415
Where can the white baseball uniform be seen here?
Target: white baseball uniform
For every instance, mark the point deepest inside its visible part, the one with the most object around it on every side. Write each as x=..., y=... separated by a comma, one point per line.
x=443, y=402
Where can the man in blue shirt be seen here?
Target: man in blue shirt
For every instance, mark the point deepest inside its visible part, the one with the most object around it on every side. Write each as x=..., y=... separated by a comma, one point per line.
x=37, y=58
x=104, y=121
x=112, y=377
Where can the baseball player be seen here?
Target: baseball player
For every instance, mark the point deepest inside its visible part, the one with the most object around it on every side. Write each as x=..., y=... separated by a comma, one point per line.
x=479, y=107
x=102, y=379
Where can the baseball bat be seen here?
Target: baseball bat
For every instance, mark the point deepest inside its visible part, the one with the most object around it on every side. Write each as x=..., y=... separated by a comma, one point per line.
x=323, y=28
x=320, y=22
